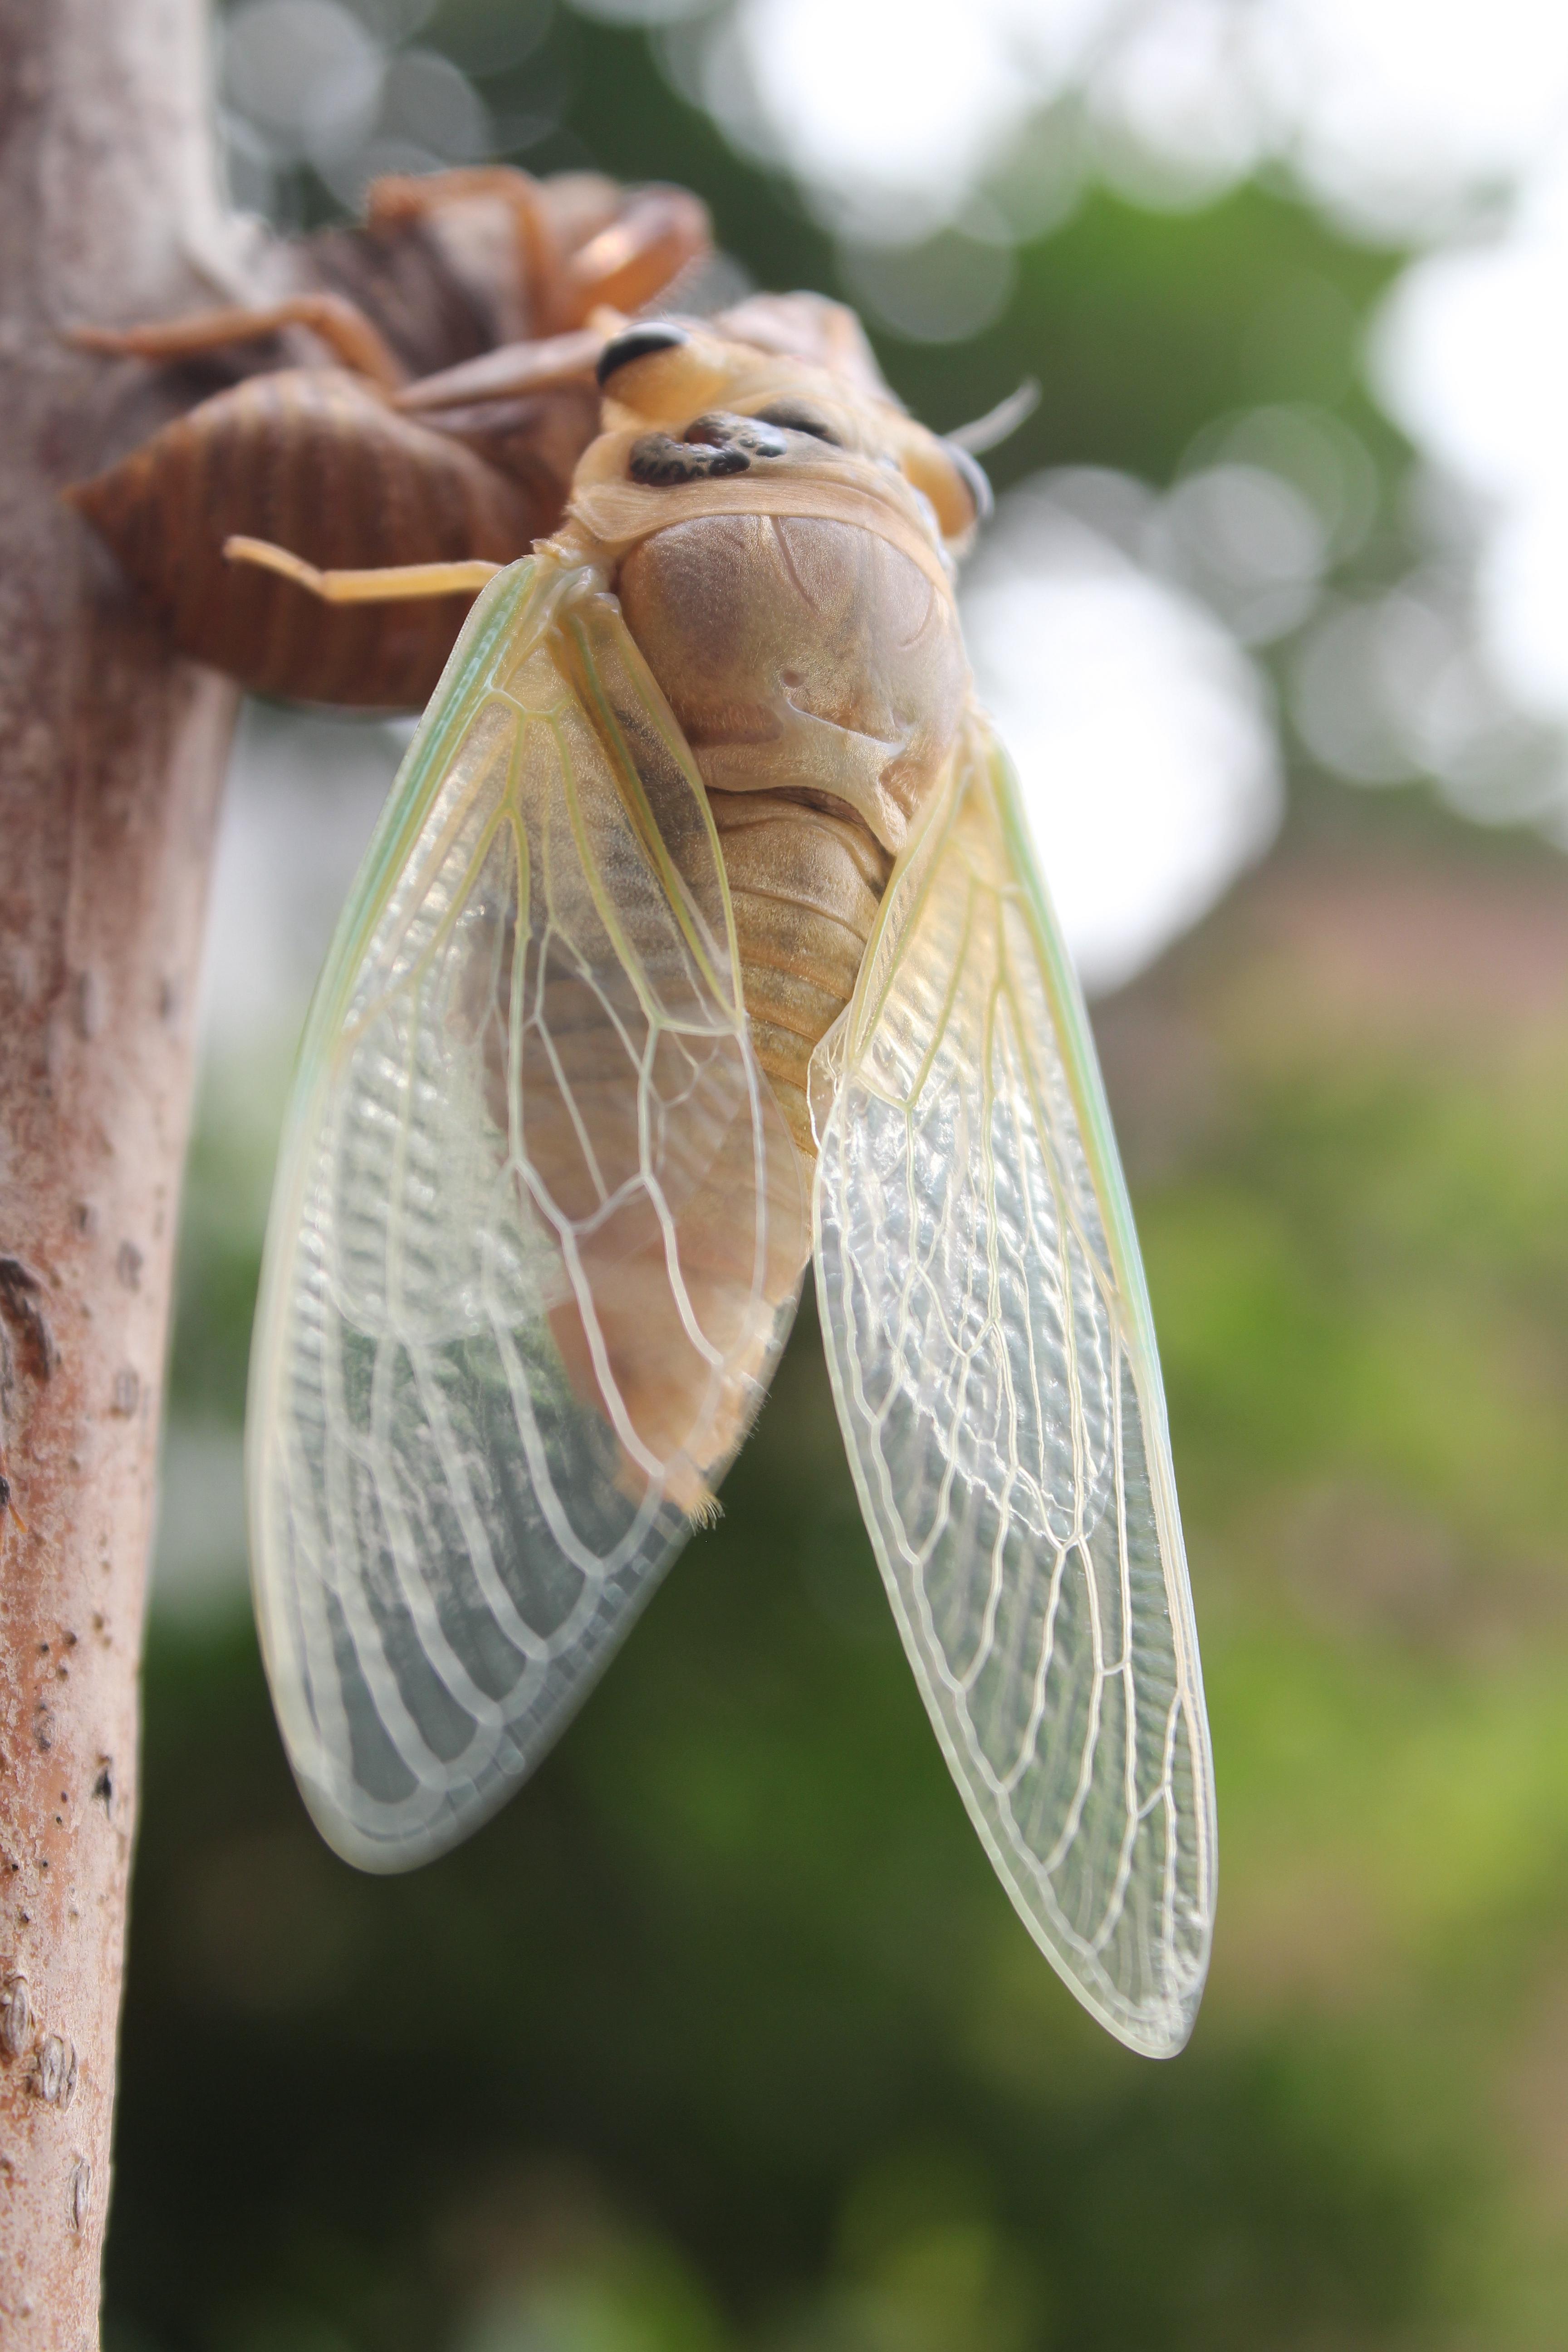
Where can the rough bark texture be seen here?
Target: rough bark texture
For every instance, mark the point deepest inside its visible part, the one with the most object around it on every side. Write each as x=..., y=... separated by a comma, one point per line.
x=111, y=760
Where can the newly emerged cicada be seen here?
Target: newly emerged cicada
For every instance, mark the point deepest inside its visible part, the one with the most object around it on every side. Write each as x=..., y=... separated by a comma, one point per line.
x=701, y=937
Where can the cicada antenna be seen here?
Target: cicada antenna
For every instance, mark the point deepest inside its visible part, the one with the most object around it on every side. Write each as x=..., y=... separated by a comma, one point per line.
x=999, y=424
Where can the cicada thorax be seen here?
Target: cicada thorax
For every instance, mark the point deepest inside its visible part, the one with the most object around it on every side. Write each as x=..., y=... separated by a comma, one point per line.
x=819, y=679
x=813, y=661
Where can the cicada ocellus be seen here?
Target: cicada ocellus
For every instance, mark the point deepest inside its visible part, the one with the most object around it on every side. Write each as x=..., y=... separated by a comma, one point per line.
x=702, y=937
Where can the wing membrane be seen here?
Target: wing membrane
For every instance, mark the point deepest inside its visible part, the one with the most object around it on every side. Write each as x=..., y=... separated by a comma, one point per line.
x=536, y=1238
x=995, y=1369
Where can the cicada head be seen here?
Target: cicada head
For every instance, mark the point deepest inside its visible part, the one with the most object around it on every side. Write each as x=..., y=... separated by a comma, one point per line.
x=798, y=364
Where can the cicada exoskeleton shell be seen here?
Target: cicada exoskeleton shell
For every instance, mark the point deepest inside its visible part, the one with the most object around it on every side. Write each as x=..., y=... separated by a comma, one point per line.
x=340, y=464
x=316, y=460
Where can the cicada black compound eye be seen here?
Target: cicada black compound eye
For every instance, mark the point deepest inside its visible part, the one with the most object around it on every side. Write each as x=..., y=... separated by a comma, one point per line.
x=798, y=417
x=714, y=445
x=639, y=343
x=658, y=461
x=721, y=430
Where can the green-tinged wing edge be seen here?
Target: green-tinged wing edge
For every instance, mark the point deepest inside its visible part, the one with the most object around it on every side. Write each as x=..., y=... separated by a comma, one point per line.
x=1158, y=2024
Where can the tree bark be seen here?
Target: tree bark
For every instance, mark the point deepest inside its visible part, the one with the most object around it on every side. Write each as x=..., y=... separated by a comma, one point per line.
x=111, y=754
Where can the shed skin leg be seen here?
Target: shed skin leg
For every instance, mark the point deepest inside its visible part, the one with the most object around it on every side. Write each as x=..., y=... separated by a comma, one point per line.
x=336, y=321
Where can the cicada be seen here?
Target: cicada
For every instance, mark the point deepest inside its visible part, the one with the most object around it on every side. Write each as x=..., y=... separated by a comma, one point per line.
x=703, y=940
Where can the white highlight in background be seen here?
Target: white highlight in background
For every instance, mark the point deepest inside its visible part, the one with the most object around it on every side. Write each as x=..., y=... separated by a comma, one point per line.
x=1140, y=731
x=1471, y=356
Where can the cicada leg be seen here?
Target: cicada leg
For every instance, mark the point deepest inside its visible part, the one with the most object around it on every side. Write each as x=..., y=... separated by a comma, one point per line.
x=331, y=318
x=513, y=371
x=400, y=197
x=658, y=233
x=386, y=584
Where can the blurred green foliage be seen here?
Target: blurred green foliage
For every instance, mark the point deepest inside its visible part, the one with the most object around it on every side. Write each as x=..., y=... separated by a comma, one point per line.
x=721, y=2037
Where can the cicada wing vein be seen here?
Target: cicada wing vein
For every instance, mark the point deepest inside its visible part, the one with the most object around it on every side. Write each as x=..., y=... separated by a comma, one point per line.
x=993, y=1366
x=536, y=1239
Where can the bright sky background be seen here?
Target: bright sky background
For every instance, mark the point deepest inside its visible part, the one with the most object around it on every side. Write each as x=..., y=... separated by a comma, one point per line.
x=1471, y=356
x=1393, y=110
x=1120, y=696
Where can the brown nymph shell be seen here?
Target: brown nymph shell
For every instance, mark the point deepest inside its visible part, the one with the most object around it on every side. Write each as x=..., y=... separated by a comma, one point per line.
x=317, y=461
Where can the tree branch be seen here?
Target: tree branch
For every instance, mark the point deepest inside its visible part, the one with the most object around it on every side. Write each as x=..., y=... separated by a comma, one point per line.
x=111, y=754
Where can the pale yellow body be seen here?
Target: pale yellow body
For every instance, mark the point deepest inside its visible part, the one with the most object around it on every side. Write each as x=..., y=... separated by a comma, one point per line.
x=810, y=652
x=818, y=677
x=703, y=775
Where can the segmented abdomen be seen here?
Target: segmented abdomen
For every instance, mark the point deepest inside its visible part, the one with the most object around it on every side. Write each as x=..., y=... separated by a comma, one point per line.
x=806, y=886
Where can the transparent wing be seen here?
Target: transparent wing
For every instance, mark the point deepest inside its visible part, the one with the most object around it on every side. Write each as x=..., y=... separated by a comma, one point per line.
x=994, y=1364
x=536, y=1237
